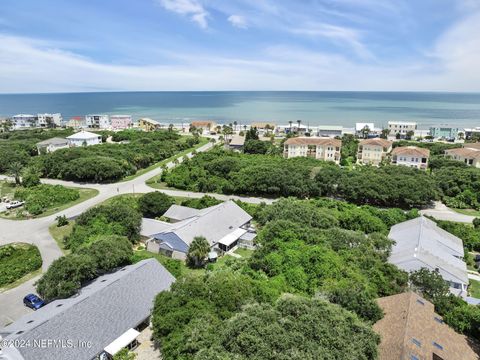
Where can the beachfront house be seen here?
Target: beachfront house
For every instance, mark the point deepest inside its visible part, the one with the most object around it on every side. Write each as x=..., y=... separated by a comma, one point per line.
x=445, y=132
x=411, y=156
x=206, y=126
x=420, y=243
x=264, y=127
x=84, y=138
x=97, y=121
x=224, y=226
x=51, y=145
x=364, y=130
x=76, y=122
x=49, y=120
x=328, y=131
x=468, y=154
x=147, y=124
x=106, y=316
x=410, y=329
x=23, y=121
x=373, y=151
x=400, y=129
x=471, y=133
x=121, y=122
x=326, y=149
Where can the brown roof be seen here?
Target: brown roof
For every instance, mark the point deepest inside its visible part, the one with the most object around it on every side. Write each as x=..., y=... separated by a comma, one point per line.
x=313, y=141
x=410, y=326
x=464, y=152
x=261, y=125
x=377, y=142
x=203, y=123
x=472, y=145
x=411, y=151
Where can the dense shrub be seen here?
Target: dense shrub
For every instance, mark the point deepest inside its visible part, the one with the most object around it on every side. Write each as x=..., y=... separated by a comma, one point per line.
x=41, y=197
x=18, y=260
x=470, y=235
x=201, y=203
x=153, y=205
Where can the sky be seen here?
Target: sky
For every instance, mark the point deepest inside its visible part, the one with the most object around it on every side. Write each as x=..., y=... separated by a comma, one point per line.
x=170, y=45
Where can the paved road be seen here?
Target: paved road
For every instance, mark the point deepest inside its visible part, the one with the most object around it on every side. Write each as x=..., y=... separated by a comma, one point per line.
x=442, y=212
x=35, y=231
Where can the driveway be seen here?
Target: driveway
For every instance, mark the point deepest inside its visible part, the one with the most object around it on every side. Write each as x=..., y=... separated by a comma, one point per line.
x=442, y=212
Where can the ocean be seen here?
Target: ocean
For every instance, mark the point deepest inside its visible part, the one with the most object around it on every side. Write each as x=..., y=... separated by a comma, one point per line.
x=313, y=108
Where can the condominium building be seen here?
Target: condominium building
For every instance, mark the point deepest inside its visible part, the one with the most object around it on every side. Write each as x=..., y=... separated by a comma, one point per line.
x=469, y=154
x=147, y=124
x=328, y=130
x=401, y=128
x=205, y=125
x=76, y=122
x=119, y=122
x=326, y=149
x=444, y=132
x=411, y=156
x=23, y=121
x=49, y=120
x=472, y=132
x=97, y=121
x=373, y=151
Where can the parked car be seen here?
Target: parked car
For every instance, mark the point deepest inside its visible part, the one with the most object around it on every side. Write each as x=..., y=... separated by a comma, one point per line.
x=33, y=301
x=15, y=204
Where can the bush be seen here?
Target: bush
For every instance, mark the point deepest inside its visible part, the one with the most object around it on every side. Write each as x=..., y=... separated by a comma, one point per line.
x=109, y=252
x=42, y=197
x=18, y=260
x=201, y=203
x=155, y=204
x=62, y=221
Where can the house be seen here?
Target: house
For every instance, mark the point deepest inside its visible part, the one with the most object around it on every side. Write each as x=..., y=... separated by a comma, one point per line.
x=97, y=121
x=237, y=142
x=445, y=132
x=223, y=225
x=471, y=133
x=104, y=317
x=120, y=122
x=420, y=243
x=76, y=122
x=411, y=330
x=360, y=128
x=373, y=151
x=205, y=125
x=326, y=149
x=49, y=120
x=263, y=127
x=23, y=121
x=147, y=124
x=328, y=131
x=400, y=129
x=469, y=154
x=84, y=138
x=411, y=156
x=51, y=145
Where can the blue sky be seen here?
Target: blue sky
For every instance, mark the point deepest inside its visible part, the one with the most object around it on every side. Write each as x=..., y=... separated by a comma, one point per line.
x=96, y=45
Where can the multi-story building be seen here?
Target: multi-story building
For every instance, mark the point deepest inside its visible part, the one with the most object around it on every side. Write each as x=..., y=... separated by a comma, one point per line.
x=23, y=121
x=263, y=127
x=76, y=122
x=401, y=128
x=361, y=129
x=205, y=125
x=373, y=151
x=147, y=124
x=469, y=154
x=472, y=132
x=49, y=120
x=326, y=149
x=119, y=122
x=444, y=132
x=411, y=156
x=97, y=121
x=328, y=130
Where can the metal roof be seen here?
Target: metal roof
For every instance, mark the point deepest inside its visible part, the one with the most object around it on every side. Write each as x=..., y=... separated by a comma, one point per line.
x=81, y=135
x=100, y=313
x=177, y=212
x=173, y=241
x=53, y=141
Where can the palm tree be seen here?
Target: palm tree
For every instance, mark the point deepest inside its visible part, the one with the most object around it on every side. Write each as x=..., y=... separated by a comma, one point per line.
x=15, y=169
x=198, y=251
x=235, y=124
x=290, y=122
x=298, y=122
x=170, y=127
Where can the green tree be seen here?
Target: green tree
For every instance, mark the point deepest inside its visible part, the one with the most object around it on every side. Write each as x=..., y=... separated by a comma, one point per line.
x=155, y=204
x=476, y=223
x=429, y=283
x=15, y=169
x=30, y=177
x=125, y=354
x=409, y=135
x=198, y=251
x=251, y=134
x=385, y=133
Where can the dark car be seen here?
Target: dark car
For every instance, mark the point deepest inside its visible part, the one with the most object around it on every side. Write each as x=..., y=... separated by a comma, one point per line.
x=33, y=301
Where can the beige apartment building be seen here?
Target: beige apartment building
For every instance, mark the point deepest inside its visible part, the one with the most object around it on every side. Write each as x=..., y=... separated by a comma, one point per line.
x=469, y=154
x=411, y=156
x=373, y=151
x=326, y=149
x=204, y=125
x=401, y=127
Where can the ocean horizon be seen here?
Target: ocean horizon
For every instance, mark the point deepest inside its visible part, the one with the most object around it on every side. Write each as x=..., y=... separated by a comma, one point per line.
x=312, y=107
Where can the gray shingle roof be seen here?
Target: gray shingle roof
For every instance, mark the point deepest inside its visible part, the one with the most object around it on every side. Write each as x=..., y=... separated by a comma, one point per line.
x=53, y=141
x=100, y=313
x=177, y=212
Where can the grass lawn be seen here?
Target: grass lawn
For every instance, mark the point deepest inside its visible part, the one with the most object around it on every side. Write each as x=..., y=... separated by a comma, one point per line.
x=21, y=280
x=470, y=212
x=202, y=142
x=58, y=233
x=85, y=194
x=244, y=253
x=474, y=288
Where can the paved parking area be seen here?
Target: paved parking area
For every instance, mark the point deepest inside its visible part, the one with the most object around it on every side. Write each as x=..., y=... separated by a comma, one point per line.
x=147, y=349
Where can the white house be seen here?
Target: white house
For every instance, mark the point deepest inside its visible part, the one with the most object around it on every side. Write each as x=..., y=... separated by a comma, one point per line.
x=47, y=120
x=411, y=156
x=401, y=128
x=23, y=121
x=51, y=145
x=97, y=121
x=84, y=138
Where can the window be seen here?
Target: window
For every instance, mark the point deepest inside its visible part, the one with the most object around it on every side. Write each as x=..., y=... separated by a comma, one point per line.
x=437, y=345
x=416, y=342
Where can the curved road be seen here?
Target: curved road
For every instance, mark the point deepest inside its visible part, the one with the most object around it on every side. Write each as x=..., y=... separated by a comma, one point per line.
x=35, y=231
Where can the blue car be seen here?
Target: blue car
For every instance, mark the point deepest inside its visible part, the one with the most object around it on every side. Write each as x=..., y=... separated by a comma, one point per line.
x=33, y=301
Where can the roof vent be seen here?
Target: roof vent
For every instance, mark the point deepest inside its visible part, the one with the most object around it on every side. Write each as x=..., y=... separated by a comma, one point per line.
x=103, y=280
x=59, y=305
x=29, y=321
x=19, y=332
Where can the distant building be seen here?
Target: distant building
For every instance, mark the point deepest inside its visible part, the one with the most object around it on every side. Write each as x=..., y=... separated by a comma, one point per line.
x=411, y=156
x=237, y=142
x=49, y=120
x=469, y=154
x=359, y=128
x=97, y=121
x=106, y=316
x=120, y=122
x=328, y=131
x=76, y=122
x=264, y=127
x=420, y=243
x=401, y=128
x=51, y=145
x=326, y=149
x=147, y=124
x=411, y=330
x=373, y=151
x=84, y=138
x=205, y=125
x=224, y=226
x=23, y=121
x=470, y=133
x=444, y=132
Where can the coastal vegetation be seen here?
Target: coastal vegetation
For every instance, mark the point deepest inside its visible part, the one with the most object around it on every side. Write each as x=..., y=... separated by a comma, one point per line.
x=18, y=260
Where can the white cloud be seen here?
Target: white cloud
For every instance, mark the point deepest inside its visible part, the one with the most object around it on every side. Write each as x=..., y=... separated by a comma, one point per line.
x=238, y=21
x=191, y=8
